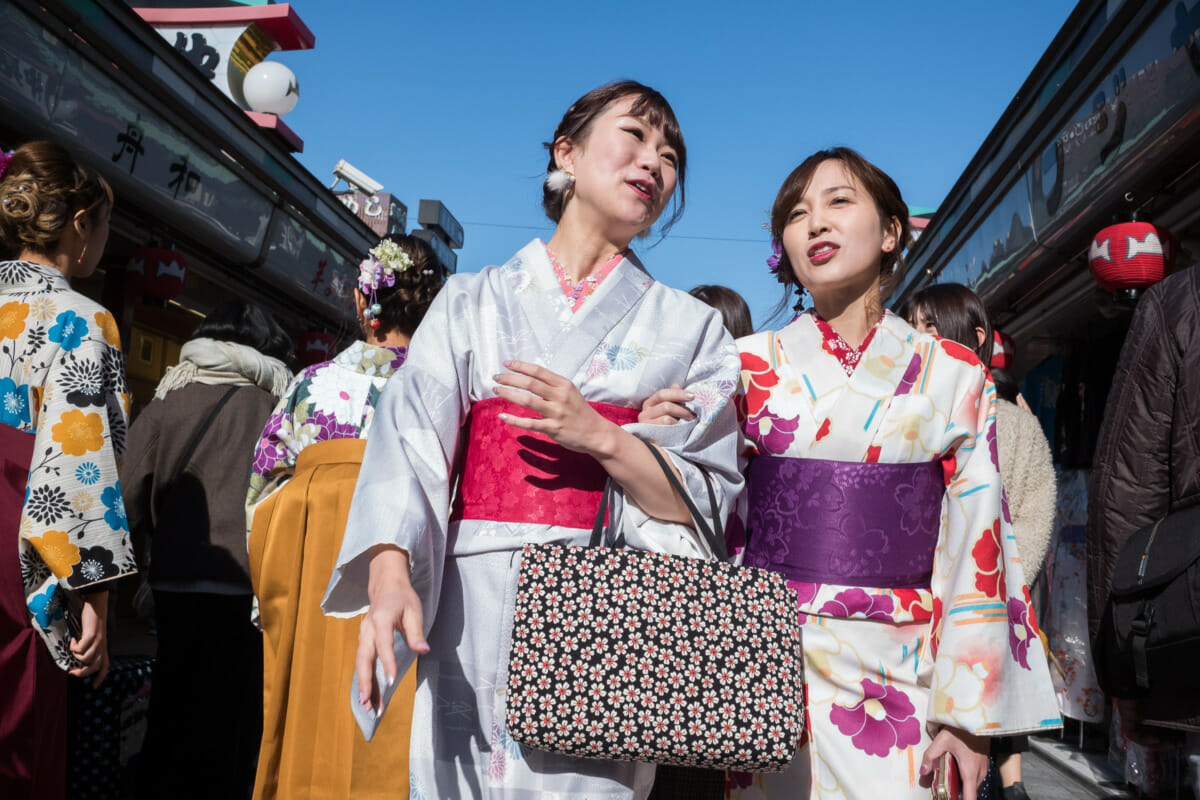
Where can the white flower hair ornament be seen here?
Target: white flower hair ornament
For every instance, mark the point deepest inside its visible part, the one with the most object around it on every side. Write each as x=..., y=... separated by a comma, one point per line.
x=379, y=269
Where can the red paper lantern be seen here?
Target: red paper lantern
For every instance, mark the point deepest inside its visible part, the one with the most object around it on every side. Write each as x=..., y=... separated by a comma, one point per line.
x=315, y=347
x=157, y=272
x=1002, y=351
x=1131, y=255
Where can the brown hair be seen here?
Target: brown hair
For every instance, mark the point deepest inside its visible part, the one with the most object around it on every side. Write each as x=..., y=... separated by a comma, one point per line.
x=576, y=125
x=956, y=312
x=874, y=181
x=41, y=192
x=405, y=302
x=733, y=308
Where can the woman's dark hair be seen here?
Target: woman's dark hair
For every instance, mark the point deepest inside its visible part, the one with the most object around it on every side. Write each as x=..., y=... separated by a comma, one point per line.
x=243, y=322
x=733, y=308
x=41, y=192
x=405, y=302
x=1006, y=385
x=874, y=181
x=956, y=312
x=576, y=125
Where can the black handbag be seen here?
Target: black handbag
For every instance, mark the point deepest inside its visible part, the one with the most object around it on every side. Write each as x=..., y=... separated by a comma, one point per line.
x=1148, y=644
x=630, y=655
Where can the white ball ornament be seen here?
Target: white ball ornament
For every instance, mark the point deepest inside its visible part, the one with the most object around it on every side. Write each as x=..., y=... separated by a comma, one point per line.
x=271, y=88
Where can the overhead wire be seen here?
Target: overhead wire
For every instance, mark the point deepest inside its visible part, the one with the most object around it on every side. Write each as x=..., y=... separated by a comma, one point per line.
x=671, y=235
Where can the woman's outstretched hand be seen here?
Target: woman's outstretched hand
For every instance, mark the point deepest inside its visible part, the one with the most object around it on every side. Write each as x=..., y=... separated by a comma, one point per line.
x=394, y=606
x=969, y=750
x=666, y=406
x=566, y=416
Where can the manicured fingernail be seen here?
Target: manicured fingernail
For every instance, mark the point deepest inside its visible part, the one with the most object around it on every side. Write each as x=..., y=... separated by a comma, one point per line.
x=502, y=417
x=507, y=364
x=924, y=769
x=391, y=681
x=496, y=377
x=690, y=396
x=362, y=699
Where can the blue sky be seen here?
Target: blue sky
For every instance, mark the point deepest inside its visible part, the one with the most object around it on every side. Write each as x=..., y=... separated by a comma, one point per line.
x=452, y=100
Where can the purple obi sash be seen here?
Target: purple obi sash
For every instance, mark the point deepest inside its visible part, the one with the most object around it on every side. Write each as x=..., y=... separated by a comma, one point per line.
x=845, y=522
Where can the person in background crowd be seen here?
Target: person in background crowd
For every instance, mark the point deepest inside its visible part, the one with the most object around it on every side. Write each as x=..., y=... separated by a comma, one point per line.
x=305, y=467
x=603, y=334
x=1147, y=461
x=185, y=478
x=954, y=312
x=734, y=311
x=64, y=407
x=876, y=491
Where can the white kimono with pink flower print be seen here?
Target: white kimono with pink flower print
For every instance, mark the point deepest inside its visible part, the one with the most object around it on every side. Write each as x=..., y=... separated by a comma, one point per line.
x=881, y=663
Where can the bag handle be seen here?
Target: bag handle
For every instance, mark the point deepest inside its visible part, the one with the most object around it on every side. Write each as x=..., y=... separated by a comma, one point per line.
x=199, y=434
x=715, y=539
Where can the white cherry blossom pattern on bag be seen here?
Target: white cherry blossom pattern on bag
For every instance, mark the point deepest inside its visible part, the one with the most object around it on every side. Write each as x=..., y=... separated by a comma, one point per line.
x=640, y=656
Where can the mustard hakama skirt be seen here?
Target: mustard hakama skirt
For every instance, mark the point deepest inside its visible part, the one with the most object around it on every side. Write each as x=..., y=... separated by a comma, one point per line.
x=311, y=745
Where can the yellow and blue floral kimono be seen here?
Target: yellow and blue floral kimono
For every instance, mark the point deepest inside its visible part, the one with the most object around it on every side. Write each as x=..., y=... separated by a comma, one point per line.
x=62, y=379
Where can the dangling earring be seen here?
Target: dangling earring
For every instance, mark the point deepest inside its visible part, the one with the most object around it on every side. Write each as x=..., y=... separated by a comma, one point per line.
x=559, y=180
x=79, y=260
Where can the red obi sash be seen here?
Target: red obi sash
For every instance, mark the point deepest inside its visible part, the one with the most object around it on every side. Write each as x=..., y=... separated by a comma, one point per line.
x=514, y=475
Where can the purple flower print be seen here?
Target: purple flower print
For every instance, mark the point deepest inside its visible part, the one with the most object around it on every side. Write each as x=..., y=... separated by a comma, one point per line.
x=1020, y=632
x=779, y=435
x=882, y=720
x=915, y=500
x=330, y=428
x=991, y=440
x=857, y=602
x=805, y=592
x=270, y=450
x=861, y=550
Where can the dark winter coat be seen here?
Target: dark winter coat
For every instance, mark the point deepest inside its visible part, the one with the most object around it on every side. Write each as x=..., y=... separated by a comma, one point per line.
x=1147, y=460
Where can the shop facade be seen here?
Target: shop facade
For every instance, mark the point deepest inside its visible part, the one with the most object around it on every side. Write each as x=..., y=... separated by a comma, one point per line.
x=194, y=175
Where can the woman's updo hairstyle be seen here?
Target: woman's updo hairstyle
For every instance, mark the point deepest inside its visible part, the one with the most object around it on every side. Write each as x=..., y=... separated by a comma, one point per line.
x=41, y=192
x=576, y=125
x=404, y=303
x=874, y=181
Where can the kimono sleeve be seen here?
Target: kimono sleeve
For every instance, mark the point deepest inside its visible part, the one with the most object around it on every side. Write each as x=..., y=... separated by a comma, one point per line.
x=402, y=497
x=989, y=669
x=708, y=444
x=276, y=451
x=74, y=516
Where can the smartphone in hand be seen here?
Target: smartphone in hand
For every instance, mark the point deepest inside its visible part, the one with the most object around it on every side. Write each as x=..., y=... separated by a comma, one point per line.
x=947, y=785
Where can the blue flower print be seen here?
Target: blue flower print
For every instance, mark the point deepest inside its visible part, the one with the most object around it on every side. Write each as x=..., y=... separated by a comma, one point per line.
x=115, y=515
x=87, y=473
x=14, y=403
x=68, y=330
x=45, y=607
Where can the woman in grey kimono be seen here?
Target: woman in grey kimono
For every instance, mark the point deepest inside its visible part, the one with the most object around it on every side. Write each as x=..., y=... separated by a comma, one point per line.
x=542, y=364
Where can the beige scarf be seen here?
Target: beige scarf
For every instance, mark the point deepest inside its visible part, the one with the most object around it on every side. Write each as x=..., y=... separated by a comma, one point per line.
x=215, y=362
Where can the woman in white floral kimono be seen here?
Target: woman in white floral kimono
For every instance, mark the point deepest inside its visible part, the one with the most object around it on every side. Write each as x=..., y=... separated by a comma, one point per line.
x=876, y=491
x=305, y=468
x=525, y=380
x=63, y=408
